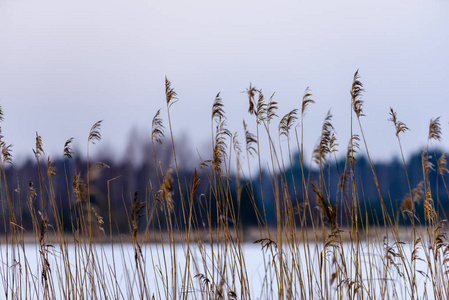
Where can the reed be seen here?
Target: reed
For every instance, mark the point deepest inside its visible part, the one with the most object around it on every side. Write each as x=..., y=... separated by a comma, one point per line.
x=187, y=234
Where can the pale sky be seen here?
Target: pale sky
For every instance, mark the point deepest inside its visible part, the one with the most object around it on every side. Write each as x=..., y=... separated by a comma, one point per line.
x=66, y=64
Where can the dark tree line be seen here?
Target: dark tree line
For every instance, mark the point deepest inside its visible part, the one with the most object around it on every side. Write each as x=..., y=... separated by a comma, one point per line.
x=113, y=185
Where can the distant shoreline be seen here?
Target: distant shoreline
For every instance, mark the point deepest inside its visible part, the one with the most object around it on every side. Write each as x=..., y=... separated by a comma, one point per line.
x=250, y=235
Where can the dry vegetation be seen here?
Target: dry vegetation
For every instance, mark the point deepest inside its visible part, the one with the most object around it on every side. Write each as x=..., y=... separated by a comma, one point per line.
x=324, y=260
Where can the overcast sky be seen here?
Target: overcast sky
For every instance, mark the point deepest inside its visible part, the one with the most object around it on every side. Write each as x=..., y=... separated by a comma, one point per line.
x=66, y=64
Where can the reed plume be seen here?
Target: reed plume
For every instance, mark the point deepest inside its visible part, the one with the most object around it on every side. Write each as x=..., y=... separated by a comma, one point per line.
x=68, y=149
x=427, y=164
x=31, y=190
x=220, y=145
x=435, y=129
x=236, y=144
x=356, y=94
x=352, y=148
x=399, y=126
x=266, y=243
x=157, y=128
x=5, y=149
x=333, y=143
x=196, y=182
x=429, y=211
x=170, y=94
x=330, y=213
x=94, y=133
x=99, y=220
x=51, y=170
x=306, y=100
x=344, y=179
x=261, y=110
x=137, y=213
x=79, y=188
x=2, y=143
x=286, y=123
x=250, y=140
x=205, y=282
x=43, y=228
x=39, y=149
x=6, y=153
x=415, y=196
x=271, y=109
x=324, y=146
x=251, y=92
x=217, y=109
x=95, y=170
x=442, y=165
x=166, y=190
x=99, y=165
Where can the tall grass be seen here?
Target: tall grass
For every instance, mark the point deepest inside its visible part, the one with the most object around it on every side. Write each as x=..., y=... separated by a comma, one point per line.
x=321, y=245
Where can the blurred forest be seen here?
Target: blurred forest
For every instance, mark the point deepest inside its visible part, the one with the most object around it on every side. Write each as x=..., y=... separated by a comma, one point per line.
x=63, y=178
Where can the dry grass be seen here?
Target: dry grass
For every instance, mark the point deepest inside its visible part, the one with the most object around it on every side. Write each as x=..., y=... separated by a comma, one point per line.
x=310, y=253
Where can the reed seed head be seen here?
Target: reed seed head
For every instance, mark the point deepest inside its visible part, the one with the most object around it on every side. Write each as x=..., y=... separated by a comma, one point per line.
x=286, y=123
x=68, y=149
x=306, y=100
x=51, y=170
x=6, y=153
x=196, y=182
x=217, y=109
x=442, y=165
x=435, y=129
x=251, y=92
x=236, y=144
x=356, y=94
x=399, y=126
x=352, y=148
x=271, y=109
x=157, y=128
x=94, y=133
x=170, y=95
x=39, y=149
x=429, y=210
x=250, y=140
x=166, y=191
x=261, y=109
x=31, y=190
x=407, y=204
x=426, y=163
x=324, y=146
x=99, y=220
x=220, y=146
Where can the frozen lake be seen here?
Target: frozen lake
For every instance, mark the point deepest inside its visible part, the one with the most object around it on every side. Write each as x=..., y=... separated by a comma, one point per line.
x=106, y=271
